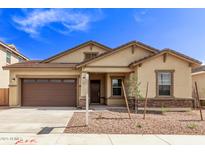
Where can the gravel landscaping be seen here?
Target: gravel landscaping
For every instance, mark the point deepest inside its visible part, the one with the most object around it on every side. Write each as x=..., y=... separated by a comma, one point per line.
x=117, y=122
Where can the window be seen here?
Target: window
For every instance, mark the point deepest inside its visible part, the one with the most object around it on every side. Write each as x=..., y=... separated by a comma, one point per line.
x=164, y=83
x=8, y=57
x=90, y=55
x=116, y=87
x=20, y=59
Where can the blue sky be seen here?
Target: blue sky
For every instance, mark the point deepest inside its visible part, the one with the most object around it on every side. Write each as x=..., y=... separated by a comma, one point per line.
x=41, y=33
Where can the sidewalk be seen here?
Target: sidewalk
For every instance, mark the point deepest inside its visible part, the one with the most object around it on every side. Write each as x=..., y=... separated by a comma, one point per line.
x=99, y=139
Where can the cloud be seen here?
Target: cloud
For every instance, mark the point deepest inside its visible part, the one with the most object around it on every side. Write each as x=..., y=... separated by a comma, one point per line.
x=60, y=20
x=139, y=15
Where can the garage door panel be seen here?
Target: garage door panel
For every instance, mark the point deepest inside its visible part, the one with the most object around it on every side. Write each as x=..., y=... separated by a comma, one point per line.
x=35, y=93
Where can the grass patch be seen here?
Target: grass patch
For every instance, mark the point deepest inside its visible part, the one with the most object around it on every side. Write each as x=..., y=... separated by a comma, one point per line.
x=192, y=126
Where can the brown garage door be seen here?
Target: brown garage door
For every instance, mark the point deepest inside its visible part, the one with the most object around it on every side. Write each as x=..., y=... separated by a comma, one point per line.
x=49, y=92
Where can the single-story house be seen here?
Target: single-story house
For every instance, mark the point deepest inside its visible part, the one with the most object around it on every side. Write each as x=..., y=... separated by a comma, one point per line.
x=198, y=76
x=98, y=71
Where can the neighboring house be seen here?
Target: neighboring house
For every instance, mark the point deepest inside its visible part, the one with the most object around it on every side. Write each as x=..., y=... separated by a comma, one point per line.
x=8, y=55
x=198, y=76
x=65, y=78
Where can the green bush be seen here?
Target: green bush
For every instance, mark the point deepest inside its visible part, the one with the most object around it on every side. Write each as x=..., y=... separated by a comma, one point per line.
x=191, y=125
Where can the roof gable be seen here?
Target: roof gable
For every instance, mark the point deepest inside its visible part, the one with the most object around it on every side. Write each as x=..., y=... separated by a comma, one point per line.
x=168, y=51
x=132, y=44
x=76, y=48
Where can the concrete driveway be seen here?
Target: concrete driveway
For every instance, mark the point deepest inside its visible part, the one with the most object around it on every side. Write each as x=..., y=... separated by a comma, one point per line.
x=43, y=120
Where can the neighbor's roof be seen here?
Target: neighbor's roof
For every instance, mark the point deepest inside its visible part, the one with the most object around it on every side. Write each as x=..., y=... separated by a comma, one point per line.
x=16, y=52
x=37, y=64
x=75, y=48
x=114, y=50
x=170, y=51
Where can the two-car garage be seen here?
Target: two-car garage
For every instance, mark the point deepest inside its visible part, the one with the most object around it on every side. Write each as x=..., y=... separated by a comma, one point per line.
x=49, y=92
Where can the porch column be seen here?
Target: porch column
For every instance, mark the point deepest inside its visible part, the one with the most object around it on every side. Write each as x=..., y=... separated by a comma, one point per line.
x=84, y=93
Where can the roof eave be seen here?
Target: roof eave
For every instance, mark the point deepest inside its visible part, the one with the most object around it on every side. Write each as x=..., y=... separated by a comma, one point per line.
x=197, y=73
x=8, y=68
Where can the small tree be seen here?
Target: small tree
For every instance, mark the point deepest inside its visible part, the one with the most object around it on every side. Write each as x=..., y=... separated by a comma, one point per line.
x=133, y=87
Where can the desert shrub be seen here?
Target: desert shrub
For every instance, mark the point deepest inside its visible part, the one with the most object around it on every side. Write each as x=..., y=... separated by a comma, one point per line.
x=192, y=125
x=164, y=110
x=138, y=125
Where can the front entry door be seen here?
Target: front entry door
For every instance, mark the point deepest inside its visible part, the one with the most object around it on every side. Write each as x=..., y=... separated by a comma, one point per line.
x=95, y=91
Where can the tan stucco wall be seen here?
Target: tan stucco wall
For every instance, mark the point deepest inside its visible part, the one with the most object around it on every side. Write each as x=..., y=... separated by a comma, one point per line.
x=16, y=75
x=78, y=55
x=4, y=74
x=200, y=79
x=121, y=58
x=182, y=76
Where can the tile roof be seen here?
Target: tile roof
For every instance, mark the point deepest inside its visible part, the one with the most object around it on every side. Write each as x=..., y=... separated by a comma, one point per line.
x=44, y=64
x=182, y=55
x=162, y=52
x=138, y=43
x=199, y=69
x=37, y=64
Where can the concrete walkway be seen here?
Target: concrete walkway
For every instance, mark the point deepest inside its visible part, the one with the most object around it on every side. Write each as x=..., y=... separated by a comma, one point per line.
x=99, y=139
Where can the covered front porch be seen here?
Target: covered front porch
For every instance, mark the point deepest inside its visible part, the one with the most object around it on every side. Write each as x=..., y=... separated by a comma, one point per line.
x=103, y=87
